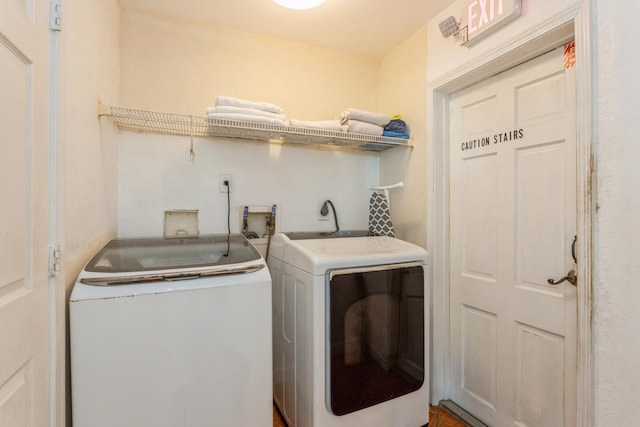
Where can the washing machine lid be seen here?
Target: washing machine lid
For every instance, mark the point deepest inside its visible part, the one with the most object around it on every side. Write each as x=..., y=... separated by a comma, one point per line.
x=143, y=260
x=157, y=265
x=152, y=254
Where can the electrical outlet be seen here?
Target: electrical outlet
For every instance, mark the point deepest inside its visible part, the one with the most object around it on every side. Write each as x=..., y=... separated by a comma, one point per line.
x=320, y=216
x=226, y=188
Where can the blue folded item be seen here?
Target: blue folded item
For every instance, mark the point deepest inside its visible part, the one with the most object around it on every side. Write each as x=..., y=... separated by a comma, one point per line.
x=396, y=125
x=392, y=134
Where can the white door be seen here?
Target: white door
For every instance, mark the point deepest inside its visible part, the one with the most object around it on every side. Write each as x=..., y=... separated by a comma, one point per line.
x=24, y=213
x=513, y=221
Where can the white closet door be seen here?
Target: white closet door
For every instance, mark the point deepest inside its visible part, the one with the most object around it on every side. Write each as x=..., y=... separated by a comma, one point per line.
x=24, y=213
x=513, y=221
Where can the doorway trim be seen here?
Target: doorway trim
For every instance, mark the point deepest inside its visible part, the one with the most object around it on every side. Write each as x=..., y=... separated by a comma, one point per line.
x=572, y=22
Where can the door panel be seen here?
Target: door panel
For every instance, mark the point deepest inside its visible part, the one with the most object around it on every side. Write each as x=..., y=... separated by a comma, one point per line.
x=479, y=363
x=14, y=167
x=479, y=217
x=540, y=101
x=15, y=397
x=539, y=382
x=478, y=117
x=540, y=214
x=512, y=222
x=24, y=217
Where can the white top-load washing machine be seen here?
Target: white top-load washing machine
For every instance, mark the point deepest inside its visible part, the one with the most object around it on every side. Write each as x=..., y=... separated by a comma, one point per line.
x=350, y=330
x=172, y=332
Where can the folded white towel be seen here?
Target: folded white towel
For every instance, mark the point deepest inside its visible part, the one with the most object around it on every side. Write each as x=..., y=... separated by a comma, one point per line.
x=247, y=118
x=240, y=110
x=317, y=124
x=356, y=126
x=258, y=105
x=363, y=116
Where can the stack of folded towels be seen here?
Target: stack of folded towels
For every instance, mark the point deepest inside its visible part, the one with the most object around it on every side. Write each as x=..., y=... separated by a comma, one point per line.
x=370, y=123
x=396, y=128
x=334, y=125
x=361, y=121
x=230, y=108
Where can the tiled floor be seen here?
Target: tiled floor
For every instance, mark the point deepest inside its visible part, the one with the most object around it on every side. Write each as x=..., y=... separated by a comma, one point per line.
x=277, y=418
x=438, y=417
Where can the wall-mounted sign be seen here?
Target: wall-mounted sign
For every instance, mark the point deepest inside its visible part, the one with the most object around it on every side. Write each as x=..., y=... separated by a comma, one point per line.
x=482, y=17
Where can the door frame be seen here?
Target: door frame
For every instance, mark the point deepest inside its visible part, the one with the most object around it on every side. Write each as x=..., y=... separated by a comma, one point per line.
x=571, y=23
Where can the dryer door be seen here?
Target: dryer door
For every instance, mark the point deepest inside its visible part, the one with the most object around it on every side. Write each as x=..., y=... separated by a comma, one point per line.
x=375, y=335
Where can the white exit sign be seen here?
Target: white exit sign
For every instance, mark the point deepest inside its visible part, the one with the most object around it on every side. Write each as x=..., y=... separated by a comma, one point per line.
x=482, y=17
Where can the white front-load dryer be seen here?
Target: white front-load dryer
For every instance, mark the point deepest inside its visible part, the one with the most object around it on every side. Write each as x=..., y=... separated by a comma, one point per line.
x=350, y=330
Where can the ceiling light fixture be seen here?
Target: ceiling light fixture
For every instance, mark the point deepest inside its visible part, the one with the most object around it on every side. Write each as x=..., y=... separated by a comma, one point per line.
x=299, y=4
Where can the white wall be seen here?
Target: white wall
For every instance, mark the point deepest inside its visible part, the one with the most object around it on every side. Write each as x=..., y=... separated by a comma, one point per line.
x=90, y=71
x=402, y=90
x=616, y=295
x=87, y=172
x=181, y=67
x=156, y=174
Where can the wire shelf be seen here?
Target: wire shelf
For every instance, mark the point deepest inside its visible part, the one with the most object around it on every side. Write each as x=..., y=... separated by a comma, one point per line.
x=187, y=125
x=244, y=130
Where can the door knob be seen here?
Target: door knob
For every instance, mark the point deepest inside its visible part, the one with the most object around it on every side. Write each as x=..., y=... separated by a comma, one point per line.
x=571, y=277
